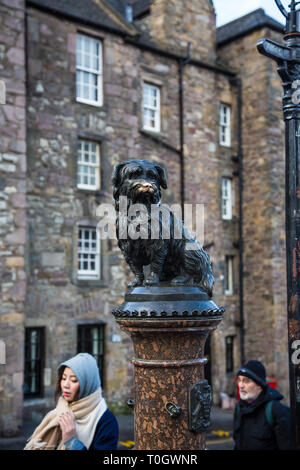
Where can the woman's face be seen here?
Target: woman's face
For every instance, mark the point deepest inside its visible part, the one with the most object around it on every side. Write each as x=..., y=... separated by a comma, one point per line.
x=69, y=385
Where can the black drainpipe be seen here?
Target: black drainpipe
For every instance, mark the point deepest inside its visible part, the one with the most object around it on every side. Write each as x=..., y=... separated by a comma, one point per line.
x=241, y=243
x=181, y=64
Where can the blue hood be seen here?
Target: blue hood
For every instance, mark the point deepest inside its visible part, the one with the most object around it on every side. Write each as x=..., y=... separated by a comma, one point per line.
x=86, y=370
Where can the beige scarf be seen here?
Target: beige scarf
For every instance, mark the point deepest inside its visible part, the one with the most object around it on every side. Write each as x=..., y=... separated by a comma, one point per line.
x=86, y=411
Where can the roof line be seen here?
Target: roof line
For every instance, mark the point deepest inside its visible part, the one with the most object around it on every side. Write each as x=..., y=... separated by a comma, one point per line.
x=69, y=16
x=140, y=43
x=260, y=20
x=130, y=26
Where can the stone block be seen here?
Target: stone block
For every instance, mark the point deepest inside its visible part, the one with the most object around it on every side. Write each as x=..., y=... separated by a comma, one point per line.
x=10, y=157
x=2, y=92
x=16, y=56
x=18, y=200
x=18, y=237
x=8, y=168
x=53, y=260
x=18, y=380
x=11, y=318
x=15, y=262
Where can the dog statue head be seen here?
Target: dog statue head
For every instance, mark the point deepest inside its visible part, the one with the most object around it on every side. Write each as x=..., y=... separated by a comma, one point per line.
x=139, y=180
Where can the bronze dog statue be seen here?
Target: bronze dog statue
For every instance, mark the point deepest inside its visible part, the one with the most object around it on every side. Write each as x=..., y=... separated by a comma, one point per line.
x=140, y=182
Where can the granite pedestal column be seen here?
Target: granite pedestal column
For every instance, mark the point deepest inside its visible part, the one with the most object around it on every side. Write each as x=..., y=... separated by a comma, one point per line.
x=168, y=326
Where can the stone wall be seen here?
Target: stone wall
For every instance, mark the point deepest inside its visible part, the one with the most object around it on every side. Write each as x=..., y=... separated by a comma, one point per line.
x=263, y=205
x=55, y=120
x=12, y=213
x=174, y=24
x=55, y=299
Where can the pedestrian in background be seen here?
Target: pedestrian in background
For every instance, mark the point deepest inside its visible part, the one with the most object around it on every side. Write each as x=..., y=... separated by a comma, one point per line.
x=261, y=422
x=81, y=419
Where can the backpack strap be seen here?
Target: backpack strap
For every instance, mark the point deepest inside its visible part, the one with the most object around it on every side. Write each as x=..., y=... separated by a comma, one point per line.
x=268, y=410
x=269, y=415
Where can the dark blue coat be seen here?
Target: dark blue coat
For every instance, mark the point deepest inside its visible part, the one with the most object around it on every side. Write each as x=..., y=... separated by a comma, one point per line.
x=252, y=431
x=105, y=438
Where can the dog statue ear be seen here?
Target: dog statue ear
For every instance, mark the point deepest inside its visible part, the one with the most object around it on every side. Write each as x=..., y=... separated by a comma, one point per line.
x=162, y=176
x=116, y=172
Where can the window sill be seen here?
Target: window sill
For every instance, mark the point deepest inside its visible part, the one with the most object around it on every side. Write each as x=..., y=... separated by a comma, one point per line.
x=152, y=131
x=89, y=103
x=90, y=283
x=159, y=138
x=227, y=146
x=89, y=190
x=34, y=401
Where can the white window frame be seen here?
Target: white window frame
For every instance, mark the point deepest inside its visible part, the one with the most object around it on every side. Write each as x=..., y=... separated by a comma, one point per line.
x=226, y=199
x=85, y=156
x=224, y=125
x=92, y=72
x=89, y=274
x=229, y=266
x=151, y=107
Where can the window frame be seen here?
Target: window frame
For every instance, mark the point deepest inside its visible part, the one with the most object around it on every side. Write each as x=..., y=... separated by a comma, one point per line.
x=229, y=353
x=225, y=125
x=40, y=360
x=226, y=200
x=98, y=73
x=97, y=185
x=157, y=109
x=87, y=275
x=82, y=341
x=228, y=278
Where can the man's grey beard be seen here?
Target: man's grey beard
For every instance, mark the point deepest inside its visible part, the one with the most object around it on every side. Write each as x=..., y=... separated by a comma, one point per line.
x=248, y=396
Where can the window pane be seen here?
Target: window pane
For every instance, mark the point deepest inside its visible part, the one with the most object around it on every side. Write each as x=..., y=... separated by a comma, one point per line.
x=88, y=253
x=88, y=62
x=225, y=131
x=88, y=166
x=226, y=199
x=33, y=361
x=91, y=340
x=151, y=105
x=229, y=353
x=229, y=275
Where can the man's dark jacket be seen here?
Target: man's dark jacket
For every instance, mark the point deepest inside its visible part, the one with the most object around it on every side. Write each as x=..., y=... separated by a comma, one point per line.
x=251, y=429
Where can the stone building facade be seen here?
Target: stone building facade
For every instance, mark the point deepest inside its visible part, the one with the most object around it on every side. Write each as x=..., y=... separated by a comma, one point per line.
x=12, y=212
x=56, y=297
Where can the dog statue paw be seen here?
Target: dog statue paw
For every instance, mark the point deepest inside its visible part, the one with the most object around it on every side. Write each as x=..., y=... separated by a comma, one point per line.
x=137, y=281
x=139, y=184
x=182, y=281
x=153, y=280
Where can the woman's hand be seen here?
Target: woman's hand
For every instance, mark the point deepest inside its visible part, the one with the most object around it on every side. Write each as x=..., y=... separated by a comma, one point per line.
x=67, y=426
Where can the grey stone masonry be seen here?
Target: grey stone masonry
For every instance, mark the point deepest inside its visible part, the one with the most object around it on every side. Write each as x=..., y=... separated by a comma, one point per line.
x=12, y=212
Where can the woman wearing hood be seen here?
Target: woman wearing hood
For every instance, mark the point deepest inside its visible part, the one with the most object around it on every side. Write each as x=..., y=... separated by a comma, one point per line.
x=81, y=419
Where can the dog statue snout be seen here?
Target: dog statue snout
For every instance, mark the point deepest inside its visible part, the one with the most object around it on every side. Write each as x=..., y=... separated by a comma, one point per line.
x=144, y=187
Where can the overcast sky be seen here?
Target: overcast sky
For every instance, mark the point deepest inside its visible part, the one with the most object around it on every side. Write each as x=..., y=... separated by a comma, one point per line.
x=228, y=10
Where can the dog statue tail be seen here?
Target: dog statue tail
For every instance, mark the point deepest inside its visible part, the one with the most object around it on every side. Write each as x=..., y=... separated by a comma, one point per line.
x=197, y=263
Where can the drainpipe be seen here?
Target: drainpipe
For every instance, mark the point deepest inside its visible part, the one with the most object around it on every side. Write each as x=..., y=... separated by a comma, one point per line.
x=181, y=64
x=241, y=242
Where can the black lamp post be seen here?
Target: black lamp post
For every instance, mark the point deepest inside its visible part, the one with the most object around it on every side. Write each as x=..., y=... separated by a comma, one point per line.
x=288, y=66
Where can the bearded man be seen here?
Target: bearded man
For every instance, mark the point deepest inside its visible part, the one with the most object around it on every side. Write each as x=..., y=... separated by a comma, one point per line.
x=261, y=422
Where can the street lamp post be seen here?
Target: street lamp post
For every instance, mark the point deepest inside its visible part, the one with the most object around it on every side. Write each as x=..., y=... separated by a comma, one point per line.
x=287, y=58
